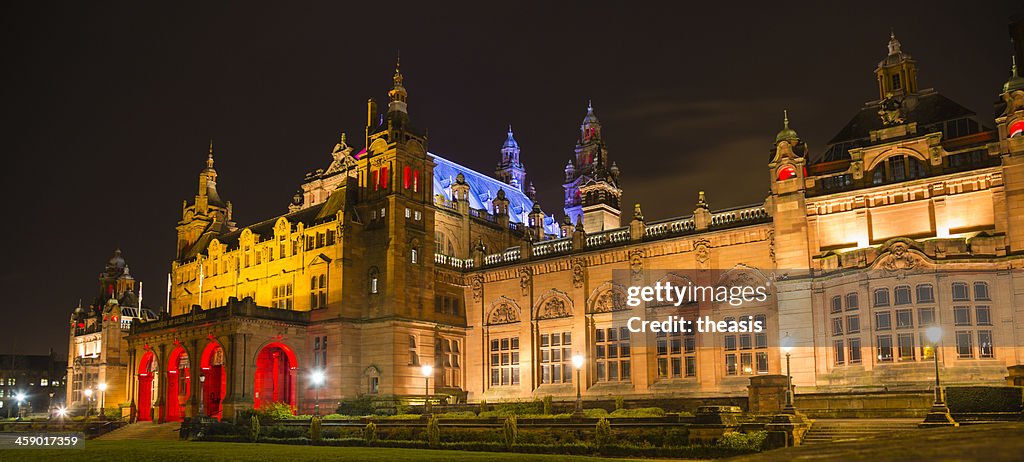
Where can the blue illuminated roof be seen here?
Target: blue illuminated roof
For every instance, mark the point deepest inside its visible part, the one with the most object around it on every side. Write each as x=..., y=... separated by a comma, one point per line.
x=483, y=189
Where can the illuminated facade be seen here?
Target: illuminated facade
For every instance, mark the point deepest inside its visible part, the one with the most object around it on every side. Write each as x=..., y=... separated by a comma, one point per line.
x=392, y=258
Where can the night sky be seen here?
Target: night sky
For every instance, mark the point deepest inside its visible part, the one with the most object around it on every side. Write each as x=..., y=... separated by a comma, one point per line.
x=109, y=108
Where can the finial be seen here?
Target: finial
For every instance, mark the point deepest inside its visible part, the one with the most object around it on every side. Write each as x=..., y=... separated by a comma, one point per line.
x=702, y=202
x=892, y=33
x=398, y=69
x=1013, y=67
x=209, y=157
x=590, y=106
x=343, y=138
x=510, y=129
x=785, y=118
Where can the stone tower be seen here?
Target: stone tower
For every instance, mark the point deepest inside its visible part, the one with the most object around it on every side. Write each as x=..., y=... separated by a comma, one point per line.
x=510, y=169
x=591, y=182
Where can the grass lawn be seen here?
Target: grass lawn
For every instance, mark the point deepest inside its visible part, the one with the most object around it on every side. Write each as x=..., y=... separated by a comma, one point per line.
x=143, y=451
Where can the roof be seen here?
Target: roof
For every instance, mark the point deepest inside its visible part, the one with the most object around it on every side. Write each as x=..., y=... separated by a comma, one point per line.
x=483, y=189
x=926, y=108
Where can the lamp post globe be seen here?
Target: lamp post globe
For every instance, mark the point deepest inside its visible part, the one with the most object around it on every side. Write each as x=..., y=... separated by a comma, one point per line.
x=934, y=334
x=88, y=401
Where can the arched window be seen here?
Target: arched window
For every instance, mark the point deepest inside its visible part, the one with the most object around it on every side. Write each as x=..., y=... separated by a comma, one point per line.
x=898, y=168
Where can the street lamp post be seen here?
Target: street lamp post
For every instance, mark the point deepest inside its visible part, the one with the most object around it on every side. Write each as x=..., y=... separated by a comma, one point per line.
x=88, y=401
x=202, y=391
x=939, y=414
x=787, y=346
x=103, y=394
x=318, y=379
x=577, y=362
x=20, y=397
x=427, y=370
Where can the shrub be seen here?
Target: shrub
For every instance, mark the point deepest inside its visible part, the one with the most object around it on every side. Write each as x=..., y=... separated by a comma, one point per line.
x=511, y=431
x=277, y=410
x=370, y=432
x=363, y=405
x=753, y=441
x=223, y=428
x=595, y=413
x=433, y=432
x=620, y=403
x=254, y=427
x=457, y=415
x=603, y=433
x=984, y=399
x=547, y=404
x=315, y=433
x=336, y=417
x=483, y=405
x=640, y=412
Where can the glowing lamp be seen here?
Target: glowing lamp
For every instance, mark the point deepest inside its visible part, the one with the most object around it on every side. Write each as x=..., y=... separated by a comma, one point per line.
x=62, y=412
x=427, y=370
x=318, y=377
x=102, y=386
x=577, y=361
x=934, y=334
x=20, y=397
x=87, y=392
x=786, y=343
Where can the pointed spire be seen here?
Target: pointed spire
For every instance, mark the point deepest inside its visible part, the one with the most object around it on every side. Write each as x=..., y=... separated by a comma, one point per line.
x=510, y=141
x=590, y=119
x=398, y=69
x=398, y=94
x=209, y=157
x=786, y=133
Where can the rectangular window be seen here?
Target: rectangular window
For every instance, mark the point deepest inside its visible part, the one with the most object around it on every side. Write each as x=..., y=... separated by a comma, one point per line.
x=837, y=326
x=852, y=324
x=961, y=316
x=556, y=357
x=905, y=347
x=983, y=315
x=852, y=301
x=730, y=364
x=730, y=342
x=902, y=294
x=612, y=354
x=883, y=320
x=282, y=296
x=926, y=316
x=837, y=348
x=673, y=351
x=884, y=348
x=854, y=350
x=406, y=177
x=960, y=291
x=881, y=297
x=981, y=291
x=964, y=346
x=985, y=348
x=330, y=237
x=762, y=362
x=505, y=361
x=837, y=304
x=925, y=293
x=904, y=319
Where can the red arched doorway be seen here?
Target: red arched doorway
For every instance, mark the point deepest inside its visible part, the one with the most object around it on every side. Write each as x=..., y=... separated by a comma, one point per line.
x=179, y=384
x=148, y=390
x=275, y=375
x=214, y=379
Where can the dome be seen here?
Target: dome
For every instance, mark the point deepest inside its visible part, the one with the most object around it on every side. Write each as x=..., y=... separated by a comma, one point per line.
x=786, y=133
x=116, y=261
x=1016, y=82
x=510, y=142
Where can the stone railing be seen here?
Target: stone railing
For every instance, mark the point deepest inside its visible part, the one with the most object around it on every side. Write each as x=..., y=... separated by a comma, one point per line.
x=482, y=215
x=553, y=247
x=440, y=201
x=609, y=237
x=725, y=218
x=453, y=262
x=512, y=254
x=670, y=227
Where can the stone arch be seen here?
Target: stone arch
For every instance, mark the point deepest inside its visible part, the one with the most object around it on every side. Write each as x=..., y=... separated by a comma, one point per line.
x=276, y=374
x=606, y=298
x=179, y=382
x=553, y=304
x=214, y=378
x=881, y=157
x=742, y=274
x=677, y=280
x=371, y=378
x=504, y=310
x=147, y=388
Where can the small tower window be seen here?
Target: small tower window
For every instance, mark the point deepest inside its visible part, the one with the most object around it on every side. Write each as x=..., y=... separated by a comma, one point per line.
x=895, y=81
x=415, y=256
x=787, y=172
x=374, y=278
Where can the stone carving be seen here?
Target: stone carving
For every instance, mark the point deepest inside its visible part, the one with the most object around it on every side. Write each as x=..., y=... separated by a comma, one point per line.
x=900, y=258
x=525, y=275
x=607, y=298
x=636, y=264
x=504, y=311
x=891, y=110
x=342, y=155
x=578, y=272
x=703, y=250
x=554, y=308
x=477, y=284
x=771, y=244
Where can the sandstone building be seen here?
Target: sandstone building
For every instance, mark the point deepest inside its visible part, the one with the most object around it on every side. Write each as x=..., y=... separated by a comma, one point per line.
x=392, y=257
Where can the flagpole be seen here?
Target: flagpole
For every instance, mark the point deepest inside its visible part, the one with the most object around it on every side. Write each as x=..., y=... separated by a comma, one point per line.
x=140, y=299
x=168, y=306
x=200, y=283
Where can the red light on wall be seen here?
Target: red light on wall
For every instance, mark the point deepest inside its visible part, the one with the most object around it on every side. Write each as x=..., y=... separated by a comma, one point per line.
x=383, y=178
x=1017, y=128
x=787, y=172
x=406, y=177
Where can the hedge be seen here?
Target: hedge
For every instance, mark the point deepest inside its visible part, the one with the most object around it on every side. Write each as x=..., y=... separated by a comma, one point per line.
x=984, y=399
